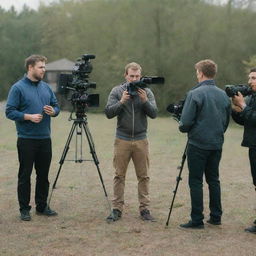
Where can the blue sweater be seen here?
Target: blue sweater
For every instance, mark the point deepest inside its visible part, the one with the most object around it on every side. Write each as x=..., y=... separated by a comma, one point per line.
x=27, y=97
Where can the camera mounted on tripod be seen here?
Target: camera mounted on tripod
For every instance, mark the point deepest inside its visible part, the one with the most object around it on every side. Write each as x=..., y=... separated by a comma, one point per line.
x=232, y=90
x=133, y=87
x=176, y=109
x=79, y=82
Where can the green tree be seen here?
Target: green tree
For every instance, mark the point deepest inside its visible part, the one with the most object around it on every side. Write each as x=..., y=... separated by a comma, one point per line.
x=19, y=38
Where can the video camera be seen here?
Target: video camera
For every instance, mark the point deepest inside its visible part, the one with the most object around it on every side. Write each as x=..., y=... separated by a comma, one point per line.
x=232, y=90
x=78, y=81
x=133, y=87
x=176, y=109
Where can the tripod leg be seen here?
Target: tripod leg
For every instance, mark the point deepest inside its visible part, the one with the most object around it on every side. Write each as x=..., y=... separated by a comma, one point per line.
x=178, y=179
x=63, y=156
x=95, y=158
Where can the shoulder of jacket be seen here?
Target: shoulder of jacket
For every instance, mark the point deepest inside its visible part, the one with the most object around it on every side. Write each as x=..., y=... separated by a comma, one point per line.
x=120, y=87
x=19, y=84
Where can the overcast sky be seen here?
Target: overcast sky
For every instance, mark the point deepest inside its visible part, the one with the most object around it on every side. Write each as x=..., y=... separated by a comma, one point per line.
x=18, y=4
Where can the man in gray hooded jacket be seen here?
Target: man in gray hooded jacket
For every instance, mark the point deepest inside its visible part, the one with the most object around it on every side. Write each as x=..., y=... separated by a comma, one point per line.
x=131, y=139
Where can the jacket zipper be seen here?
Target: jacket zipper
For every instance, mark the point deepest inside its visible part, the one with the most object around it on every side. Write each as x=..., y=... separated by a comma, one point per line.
x=40, y=98
x=133, y=120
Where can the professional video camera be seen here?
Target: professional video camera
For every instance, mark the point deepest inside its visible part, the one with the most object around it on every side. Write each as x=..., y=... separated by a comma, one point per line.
x=133, y=87
x=79, y=83
x=80, y=99
x=232, y=90
x=176, y=109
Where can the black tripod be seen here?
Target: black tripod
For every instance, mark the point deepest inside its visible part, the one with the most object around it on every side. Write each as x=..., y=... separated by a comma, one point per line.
x=80, y=124
x=178, y=179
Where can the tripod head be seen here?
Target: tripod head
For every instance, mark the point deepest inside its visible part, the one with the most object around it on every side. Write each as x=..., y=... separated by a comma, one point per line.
x=81, y=100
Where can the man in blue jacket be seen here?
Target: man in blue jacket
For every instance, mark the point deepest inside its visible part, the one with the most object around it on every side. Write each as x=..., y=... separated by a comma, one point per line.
x=205, y=117
x=31, y=104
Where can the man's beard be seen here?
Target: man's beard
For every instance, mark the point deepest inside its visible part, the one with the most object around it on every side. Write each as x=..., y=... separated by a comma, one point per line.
x=37, y=77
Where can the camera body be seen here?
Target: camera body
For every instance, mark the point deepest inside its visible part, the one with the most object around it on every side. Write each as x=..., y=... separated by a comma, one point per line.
x=133, y=87
x=176, y=109
x=232, y=90
x=79, y=82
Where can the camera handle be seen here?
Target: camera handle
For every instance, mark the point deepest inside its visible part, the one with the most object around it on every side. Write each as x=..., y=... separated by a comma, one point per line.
x=178, y=179
x=80, y=123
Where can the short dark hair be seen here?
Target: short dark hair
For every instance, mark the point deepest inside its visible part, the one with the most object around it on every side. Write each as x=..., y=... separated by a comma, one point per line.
x=207, y=67
x=33, y=59
x=252, y=70
x=133, y=66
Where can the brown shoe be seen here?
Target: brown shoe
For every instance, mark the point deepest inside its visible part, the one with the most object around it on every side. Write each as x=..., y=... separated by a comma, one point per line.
x=146, y=216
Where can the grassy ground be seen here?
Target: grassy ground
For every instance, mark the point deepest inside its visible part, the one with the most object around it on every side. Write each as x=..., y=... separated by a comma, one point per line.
x=80, y=228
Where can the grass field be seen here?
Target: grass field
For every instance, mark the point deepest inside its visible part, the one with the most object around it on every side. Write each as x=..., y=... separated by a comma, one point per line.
x=80, y=227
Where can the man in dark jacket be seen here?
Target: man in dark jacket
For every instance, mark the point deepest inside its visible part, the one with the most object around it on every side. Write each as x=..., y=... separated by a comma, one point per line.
x=131, y=139
x=31, y=104
x=205, y=117
x=244, y=113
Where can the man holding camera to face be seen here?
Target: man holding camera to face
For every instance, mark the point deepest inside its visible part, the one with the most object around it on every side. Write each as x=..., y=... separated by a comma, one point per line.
x=131, y=139
x=244, y=113
x=205, y=117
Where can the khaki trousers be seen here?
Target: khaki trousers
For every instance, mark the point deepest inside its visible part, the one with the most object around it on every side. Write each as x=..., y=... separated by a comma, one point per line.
x=124, y=151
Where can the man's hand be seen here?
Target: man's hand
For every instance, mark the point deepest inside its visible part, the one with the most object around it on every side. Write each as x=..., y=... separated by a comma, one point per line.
x=125, y=97
x=238, y=100
x=35, y=118
x=143, y=95
x=49, y=110
x=236, y=108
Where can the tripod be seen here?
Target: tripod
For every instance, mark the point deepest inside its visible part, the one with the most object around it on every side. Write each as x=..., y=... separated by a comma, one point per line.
x=178, y=179
x=80, y=124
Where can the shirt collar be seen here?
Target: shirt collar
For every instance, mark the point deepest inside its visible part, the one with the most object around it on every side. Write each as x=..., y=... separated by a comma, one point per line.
x=207, y=82
x=32, y=82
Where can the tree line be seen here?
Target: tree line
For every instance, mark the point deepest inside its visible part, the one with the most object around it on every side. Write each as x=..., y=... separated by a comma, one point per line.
x=167, y=37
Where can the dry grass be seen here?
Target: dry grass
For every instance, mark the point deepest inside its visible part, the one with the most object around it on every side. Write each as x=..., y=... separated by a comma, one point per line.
x=80, y=228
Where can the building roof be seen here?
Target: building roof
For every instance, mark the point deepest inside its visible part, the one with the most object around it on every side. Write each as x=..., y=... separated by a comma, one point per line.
x=60, y=65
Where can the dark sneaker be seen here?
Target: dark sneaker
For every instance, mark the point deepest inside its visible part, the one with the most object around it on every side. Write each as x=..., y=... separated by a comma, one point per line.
x=251, y=229
x=114, y=215
x=145, y=215
x=47, y=212
x=214, y=222
x=192, y=225
x=25, y=215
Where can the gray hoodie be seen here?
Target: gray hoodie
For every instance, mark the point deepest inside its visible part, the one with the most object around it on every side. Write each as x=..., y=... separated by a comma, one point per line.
x=132, y=115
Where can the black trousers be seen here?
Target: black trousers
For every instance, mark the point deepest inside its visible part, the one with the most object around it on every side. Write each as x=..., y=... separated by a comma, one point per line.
x=202, y=162
x=37, y=153
x=252, y=157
